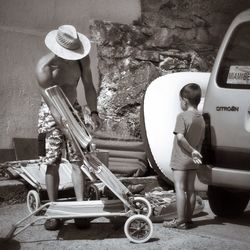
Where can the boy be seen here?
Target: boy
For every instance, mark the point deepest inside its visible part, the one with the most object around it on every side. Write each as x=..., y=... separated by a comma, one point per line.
x=189, y=134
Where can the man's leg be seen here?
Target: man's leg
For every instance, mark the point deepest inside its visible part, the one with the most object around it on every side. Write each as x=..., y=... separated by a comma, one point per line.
x=54, y=144
x=78, y=180
x=191, y=196
x=52, y=181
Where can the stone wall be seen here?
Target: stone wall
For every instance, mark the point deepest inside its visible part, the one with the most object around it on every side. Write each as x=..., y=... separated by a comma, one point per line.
x=194, y=22
x=170, y=36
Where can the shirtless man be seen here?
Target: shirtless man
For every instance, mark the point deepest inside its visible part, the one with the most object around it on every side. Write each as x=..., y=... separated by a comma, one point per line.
x=64, y=66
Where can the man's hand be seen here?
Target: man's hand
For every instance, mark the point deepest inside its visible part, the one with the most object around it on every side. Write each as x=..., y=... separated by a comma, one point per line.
x=196, y=156
x=97, y=121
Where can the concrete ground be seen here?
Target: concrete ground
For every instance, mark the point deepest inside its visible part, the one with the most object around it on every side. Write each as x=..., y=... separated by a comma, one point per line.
x=210, y=232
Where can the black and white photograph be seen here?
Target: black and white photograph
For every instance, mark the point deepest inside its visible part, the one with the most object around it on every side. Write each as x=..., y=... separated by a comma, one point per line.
x=125, y=124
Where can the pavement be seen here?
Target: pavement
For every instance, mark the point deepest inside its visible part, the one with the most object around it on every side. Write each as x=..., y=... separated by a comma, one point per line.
x=210, y=232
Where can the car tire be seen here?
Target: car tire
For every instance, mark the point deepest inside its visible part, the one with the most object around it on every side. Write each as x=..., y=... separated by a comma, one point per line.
x=227, y=203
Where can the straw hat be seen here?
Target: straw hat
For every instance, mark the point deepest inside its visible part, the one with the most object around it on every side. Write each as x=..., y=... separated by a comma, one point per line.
x=67, y=43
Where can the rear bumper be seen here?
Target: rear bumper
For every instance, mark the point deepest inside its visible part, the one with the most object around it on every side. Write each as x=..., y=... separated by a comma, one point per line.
x=231, y=178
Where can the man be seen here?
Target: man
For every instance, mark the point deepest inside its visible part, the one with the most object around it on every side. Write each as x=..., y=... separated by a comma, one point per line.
x=67, y=62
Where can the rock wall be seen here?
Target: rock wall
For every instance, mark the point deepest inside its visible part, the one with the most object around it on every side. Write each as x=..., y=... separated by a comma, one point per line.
x=194, y=22
x=171, y=36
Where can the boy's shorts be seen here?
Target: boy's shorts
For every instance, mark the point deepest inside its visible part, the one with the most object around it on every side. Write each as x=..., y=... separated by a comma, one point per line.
x=53, y=139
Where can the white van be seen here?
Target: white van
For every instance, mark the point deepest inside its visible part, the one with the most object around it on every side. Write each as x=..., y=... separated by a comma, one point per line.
x=227, y=112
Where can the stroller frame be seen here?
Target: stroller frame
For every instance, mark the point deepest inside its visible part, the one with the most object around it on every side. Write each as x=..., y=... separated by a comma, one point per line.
x=33, y=172
x=138, y=227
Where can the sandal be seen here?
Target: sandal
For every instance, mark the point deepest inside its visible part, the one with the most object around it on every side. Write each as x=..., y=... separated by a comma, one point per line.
x=174, y=224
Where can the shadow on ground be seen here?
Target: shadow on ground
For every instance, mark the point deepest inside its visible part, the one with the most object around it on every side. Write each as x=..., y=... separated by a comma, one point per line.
x=97, y=231
x=9, y=244
x=243, y=220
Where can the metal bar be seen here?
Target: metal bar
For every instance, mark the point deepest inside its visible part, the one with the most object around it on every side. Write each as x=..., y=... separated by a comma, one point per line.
x=14, y=227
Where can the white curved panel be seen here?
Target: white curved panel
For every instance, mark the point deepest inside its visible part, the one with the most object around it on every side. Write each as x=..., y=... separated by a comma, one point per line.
x=160, y=108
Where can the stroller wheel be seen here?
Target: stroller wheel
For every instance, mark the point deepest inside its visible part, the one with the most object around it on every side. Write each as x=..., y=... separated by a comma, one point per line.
x=93, y=192
x=138, y=228
x=143, y=205
x=33, y=201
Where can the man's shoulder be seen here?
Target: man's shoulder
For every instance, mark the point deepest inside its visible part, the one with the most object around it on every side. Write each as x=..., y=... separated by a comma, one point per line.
x=84, y=62
x=44, y=61
x=43, y=70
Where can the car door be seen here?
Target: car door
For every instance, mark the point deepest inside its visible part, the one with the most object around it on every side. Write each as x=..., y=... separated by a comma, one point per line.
x=227, y=100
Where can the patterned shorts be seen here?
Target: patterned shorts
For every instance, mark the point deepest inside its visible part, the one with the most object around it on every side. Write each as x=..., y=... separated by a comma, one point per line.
x=55, y=141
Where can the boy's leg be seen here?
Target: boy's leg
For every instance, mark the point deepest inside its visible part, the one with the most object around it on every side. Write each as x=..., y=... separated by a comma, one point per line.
x=180, y=179
x=191, y=196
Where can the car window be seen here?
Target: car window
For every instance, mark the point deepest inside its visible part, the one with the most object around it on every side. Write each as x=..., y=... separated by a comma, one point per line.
x=234, y=70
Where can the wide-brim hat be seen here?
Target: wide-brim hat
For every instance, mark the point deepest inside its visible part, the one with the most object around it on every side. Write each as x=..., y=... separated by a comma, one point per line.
x=67, y=43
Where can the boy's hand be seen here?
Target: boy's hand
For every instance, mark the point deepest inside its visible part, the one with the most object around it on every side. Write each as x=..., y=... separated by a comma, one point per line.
x=196, y=156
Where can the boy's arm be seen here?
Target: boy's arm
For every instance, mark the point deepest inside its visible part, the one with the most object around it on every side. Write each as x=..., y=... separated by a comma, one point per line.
x=200, y=144
x=183, y=143
x=179, y=131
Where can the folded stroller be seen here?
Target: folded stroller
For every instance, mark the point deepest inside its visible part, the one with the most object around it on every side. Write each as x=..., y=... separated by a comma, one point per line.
x=138, y=227
x=33, y=172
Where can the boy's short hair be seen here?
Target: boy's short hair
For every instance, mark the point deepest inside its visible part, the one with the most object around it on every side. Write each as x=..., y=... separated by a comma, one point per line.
x=192, y=92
